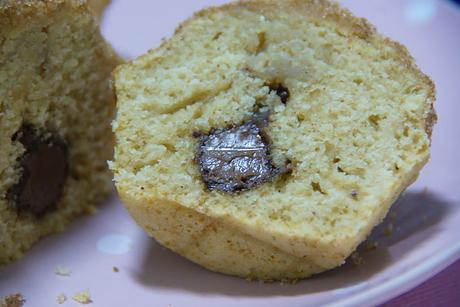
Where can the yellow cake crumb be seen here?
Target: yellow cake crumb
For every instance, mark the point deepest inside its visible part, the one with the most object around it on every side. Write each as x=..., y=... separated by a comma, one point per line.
x=83, y=297
x=388, y=230
x=13, y=300
x=357, y=259
x=371, y=245
x=62, y=271
x=61, y=298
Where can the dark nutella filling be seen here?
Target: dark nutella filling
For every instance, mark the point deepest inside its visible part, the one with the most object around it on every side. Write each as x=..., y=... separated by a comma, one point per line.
x=281, y=91
x=44, y=170
x=238, y=158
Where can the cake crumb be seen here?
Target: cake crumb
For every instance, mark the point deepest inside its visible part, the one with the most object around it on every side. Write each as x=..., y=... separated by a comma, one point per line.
x=115, y=269
x=61, y=298
x=388, y=230
x=62, y=271
x=13, y=300
x=357, y=259
x=250, y=279
x=83, y=297
x=290, y=281
x=371, y=246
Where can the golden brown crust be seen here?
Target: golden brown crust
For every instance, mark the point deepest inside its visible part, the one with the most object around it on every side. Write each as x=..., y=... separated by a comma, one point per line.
x=11, y=9
x=431, y=120
x=98, y=6
x=409, y=62
x=214, y=243
x=14, y=12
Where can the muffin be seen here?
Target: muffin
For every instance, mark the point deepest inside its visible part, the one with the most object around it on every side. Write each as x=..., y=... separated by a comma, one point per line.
x=266, y=139
x=56, y=105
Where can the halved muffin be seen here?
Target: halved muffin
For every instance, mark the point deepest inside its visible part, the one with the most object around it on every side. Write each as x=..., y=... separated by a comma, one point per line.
x=56, y=105
x=266, y=139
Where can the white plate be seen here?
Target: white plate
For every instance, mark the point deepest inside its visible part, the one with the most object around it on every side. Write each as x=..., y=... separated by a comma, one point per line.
x=426, y=227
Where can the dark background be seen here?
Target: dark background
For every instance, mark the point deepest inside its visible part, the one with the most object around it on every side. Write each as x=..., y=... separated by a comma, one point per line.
x=456, y=1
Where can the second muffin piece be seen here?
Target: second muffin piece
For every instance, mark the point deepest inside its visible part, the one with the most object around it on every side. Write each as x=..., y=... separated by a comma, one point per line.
x=56, y=105
x=266, y=139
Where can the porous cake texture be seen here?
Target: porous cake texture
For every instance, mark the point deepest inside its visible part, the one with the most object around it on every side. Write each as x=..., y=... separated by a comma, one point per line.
x=350, y=118
x=56, y=105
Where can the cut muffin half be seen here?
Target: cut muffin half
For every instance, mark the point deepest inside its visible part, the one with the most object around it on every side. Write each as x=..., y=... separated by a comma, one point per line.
x=56, y=105
x=266, y=139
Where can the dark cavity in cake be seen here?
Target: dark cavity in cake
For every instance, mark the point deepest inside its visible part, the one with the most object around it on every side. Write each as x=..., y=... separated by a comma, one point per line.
x=281, y=91
x=237, y=158
x=44, y=169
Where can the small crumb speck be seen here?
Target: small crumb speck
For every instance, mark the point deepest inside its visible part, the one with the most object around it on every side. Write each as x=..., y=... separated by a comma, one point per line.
x=83, y=297
x=115, y=269
x=357, y=259
x=294, y=281
x=371, y=246
x=388, y=230
x=13, y=300
x=62, y=271
x=61, y=298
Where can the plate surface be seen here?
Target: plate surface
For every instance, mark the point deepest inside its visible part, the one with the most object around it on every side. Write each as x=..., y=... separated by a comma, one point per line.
x=425, y=222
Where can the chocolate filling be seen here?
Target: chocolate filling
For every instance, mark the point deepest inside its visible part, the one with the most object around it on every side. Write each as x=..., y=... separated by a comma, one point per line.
x=281, y=91
x=238, y=158
x=44, y=167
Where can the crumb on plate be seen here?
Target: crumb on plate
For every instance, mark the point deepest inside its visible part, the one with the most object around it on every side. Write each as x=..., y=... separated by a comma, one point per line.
x=357, y=258
x=388, y=230
x=61, y=298
x=62, y=271
x=371, y=245
x=13, y=300
x=83, y=297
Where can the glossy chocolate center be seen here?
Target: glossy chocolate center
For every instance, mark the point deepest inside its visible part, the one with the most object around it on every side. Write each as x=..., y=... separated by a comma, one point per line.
x=238, y=158
x=44, y=171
